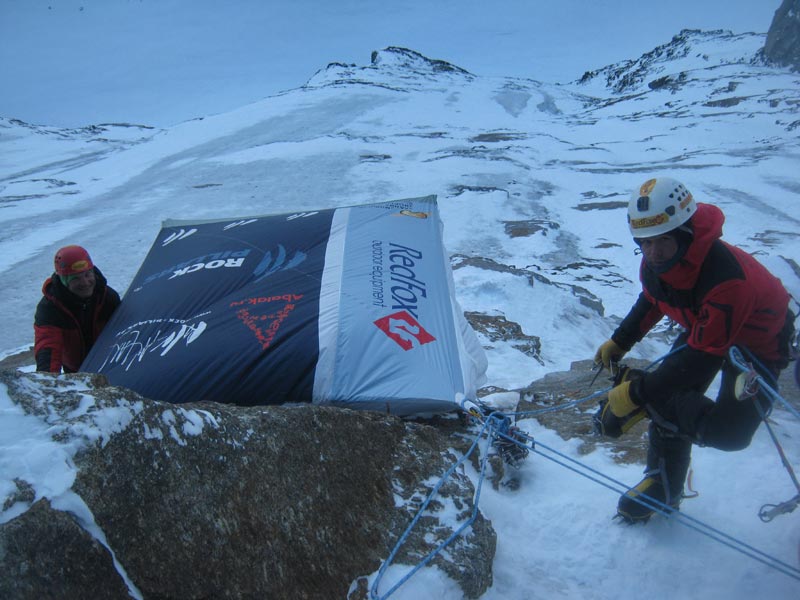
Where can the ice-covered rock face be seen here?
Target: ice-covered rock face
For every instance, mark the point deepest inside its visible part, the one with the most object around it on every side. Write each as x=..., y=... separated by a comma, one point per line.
x=783, y=40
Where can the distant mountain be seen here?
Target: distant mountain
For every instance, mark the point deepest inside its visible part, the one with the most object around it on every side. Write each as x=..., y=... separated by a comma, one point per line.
x=705, y=71
x=783, y=39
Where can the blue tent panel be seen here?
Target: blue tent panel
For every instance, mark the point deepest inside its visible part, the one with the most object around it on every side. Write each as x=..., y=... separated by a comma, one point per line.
x=352, y=306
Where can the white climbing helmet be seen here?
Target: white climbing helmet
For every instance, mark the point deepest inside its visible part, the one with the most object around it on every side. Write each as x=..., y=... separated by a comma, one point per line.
x=658, y=206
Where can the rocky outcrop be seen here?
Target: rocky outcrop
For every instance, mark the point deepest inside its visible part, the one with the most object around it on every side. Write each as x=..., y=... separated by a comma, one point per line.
x=44, y=553
x=672, y=66
x=497, y=327
x=783, y=39
x=216, y=501
x=393, y=64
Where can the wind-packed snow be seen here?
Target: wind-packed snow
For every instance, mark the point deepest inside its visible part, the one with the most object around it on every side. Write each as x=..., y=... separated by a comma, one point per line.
x=531, y=177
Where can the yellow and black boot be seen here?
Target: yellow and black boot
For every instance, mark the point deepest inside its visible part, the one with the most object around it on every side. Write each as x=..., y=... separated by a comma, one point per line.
x=661, y=490
x=648, y=496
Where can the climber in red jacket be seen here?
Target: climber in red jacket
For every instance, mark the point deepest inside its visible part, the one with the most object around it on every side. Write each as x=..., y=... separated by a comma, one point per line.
x=721, y=297
x=76, y=305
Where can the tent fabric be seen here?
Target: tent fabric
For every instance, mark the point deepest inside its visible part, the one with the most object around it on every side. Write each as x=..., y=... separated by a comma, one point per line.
x=353, y=307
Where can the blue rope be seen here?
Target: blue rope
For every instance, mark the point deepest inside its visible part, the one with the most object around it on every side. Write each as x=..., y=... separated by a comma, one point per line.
x=488, y=424
x=495, y=425
x=768, y=511
x=566, y=405
x=660, y=507
x=667, y=511
x=560, y=407
x=738, y=361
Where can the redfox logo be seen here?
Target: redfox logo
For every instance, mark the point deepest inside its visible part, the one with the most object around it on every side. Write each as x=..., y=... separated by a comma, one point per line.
x=404, y=329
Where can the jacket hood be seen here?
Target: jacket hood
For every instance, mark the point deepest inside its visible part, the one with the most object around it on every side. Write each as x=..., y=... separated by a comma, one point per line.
x=706, y=225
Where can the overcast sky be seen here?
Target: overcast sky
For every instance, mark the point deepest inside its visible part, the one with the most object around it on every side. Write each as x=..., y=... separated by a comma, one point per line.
x=159, y=62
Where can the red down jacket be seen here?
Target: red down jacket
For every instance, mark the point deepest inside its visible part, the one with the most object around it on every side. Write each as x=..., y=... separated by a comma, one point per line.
x=721, y=295
x=65, y=327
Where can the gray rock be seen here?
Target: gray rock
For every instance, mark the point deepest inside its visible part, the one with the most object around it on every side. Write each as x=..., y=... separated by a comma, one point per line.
x=205, y=500
x=497, y=327
x=23, y=358
x=783, y=39
x=44, y=554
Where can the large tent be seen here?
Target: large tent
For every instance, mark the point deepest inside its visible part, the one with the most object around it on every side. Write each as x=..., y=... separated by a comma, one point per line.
x=350, y=306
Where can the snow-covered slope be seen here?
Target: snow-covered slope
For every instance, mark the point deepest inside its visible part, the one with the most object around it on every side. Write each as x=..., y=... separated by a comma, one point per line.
x=531, y=177
x=532, y=181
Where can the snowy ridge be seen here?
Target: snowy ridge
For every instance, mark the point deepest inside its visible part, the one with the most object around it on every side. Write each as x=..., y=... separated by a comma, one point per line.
x=390, y=66
x=690, y=50
x=712, y=74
